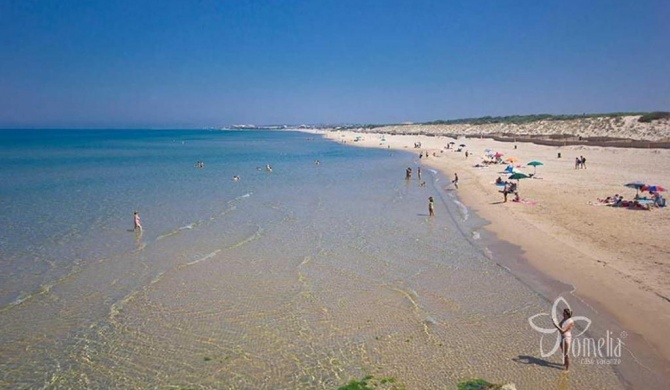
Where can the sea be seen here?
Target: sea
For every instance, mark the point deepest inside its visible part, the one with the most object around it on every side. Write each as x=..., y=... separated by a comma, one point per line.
x=322, y=270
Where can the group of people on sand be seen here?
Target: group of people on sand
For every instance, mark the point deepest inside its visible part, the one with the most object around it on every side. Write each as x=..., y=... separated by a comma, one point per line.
x=580, y=162
x=509, y=187
x=638, y=203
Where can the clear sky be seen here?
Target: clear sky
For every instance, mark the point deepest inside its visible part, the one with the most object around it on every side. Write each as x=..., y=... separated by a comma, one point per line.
x=183, y=64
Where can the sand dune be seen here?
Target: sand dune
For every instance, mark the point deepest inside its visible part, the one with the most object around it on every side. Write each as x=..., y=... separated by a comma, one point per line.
x=616, y=127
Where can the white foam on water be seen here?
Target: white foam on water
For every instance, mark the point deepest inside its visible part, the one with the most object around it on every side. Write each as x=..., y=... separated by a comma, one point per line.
x=465, y=214
x=206, y=257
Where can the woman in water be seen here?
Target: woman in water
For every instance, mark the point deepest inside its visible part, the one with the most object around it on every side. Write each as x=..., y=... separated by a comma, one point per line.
x=138, y=226
x=431, y=206
x=565, y=328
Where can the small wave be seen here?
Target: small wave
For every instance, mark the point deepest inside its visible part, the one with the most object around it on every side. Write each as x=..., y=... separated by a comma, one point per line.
x=476, y=236
x=44, y=289
x=247, y=195
x=157, y=278
x=463, y=209
x=171, y=233
x=18, y=300
x=116, y=307
x=166, y=235
x=247, y=240
x=206, y=257
x=195, y=224
x=226, y=211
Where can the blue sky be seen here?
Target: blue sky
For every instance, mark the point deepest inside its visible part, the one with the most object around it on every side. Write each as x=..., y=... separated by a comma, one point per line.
x=184, y=64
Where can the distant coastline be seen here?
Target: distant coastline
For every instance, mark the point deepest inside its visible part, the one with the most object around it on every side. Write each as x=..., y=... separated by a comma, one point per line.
x=630, y=130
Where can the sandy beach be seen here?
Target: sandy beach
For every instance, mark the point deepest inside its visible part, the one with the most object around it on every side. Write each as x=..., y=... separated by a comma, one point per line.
x=616, y=259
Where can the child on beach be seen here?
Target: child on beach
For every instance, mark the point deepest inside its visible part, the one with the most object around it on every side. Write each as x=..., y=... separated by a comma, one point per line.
x=137, y=226
x=431, y=206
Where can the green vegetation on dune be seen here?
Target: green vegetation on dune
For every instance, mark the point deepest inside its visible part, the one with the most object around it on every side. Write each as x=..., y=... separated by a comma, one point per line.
x=525, y=119
x=652, y=116
x=522, y=119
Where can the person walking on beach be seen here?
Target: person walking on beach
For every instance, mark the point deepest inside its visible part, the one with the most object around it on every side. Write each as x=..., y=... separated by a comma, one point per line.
x=583, y=162
x=578, y=162
x=431, y=206
x=455, y=181
x=565, y=328
x=137, y=224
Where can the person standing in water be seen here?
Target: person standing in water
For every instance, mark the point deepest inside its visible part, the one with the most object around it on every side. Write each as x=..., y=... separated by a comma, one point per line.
x=137, y=224
x=419, y=173
x=431, y=206
x=455, y=181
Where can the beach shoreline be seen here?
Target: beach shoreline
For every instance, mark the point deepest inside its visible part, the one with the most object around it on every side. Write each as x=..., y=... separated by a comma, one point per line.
x=612, y=259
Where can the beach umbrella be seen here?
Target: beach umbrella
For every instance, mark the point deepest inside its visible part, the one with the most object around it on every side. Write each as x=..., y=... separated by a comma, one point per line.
x=653, y=188
x=635, y=184
x=511, y=159
x=518, y=176
x=498, y=155
x=534, y=164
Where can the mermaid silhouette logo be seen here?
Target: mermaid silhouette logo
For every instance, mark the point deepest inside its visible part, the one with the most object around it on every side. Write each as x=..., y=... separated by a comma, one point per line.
x=583, y=321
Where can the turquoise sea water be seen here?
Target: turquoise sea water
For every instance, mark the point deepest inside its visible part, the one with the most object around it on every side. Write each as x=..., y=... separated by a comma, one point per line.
x=304, y=277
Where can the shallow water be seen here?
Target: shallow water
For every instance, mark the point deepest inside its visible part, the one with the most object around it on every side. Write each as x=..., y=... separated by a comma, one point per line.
x=304, y=277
